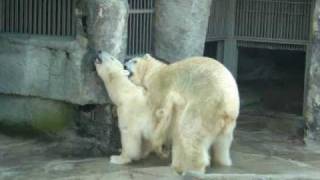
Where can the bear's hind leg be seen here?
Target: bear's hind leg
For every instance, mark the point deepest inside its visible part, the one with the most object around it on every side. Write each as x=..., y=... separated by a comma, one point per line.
x=196, y=157
x=221, y=148
x=190, y=154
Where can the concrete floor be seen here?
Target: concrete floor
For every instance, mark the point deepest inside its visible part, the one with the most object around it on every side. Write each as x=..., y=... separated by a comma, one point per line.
x=265, y=147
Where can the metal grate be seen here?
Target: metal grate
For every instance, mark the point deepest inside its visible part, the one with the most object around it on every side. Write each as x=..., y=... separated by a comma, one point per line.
x=140, y=27
x=266, y=45
x=270, y=21
x=274, y=19
x=217, y=24
x=37, y=17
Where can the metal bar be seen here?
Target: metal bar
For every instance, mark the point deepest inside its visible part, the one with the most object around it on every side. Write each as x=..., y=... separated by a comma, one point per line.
x=287, y=21
x=8, y=17
x=129, y=35
x=11, y=12
x=272, y=19
x=40, y=16
x=25, y=17
x=143, y=24
x=16, y=16
x=54, y=18
x=151, y=27
x=45, y=18
x=73, y=20
x=20, y=24
x=133, y=32
x=35, y=14
x=2, y=14
x=64, y=15
x=138, y=30
x=271, y=40
x=58, y=17
x=240, y=17
x=148, y=32
x=259, y=16
x=68, y=17
x=49, y=18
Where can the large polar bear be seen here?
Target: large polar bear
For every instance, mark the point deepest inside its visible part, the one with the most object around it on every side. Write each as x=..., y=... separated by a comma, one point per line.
x=134, y=114
x=196, y=101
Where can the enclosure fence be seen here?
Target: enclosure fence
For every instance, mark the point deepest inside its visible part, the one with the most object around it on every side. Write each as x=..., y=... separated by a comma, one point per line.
x=37, y=17
x=270, y=21
x=140, y=27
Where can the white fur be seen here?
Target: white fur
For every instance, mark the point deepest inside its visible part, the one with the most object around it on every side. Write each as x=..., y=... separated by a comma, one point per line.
x=132, y=109
x=200, y=103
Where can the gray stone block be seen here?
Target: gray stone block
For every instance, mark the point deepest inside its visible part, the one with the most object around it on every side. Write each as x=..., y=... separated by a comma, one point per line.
x=62, y=68
x=107, y=26
x=180, y=28
x=312, y=102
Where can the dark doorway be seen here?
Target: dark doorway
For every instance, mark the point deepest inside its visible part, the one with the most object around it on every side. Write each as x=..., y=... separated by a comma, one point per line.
x=273, y=79
x=210, y=49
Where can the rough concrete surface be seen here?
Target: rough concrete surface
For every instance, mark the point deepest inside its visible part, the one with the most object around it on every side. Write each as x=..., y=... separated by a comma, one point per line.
x=260, y=150
x=107, y=26
x=312, y=109
x=180, y=28
x=41, y=77
x=61, y=68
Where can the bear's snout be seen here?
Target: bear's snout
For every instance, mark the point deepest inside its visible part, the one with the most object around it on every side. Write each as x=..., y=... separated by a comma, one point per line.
x=98, y=57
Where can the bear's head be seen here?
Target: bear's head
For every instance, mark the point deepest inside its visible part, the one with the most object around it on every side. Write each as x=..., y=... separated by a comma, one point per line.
x=106, y=64
x=141, y=67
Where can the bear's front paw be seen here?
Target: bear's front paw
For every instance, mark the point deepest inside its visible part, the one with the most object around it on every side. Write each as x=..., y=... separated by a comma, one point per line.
x=119, y=160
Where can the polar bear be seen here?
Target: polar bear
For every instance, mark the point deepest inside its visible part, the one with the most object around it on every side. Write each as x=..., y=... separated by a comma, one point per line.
x=197, y=101
x=134, y=114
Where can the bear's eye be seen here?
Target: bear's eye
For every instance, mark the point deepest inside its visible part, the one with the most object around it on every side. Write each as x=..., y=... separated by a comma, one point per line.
x=135, y=61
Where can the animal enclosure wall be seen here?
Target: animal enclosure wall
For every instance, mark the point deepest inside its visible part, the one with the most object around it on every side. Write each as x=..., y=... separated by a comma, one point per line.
x=140, y=27
x=275, y=21
x=277, y=29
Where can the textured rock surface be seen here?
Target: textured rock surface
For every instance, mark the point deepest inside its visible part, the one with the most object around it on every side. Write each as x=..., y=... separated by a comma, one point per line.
x=62, y=68
x=180, y=28
x=312, y=109
x=107, y=26
x=39, y=76
x=257, y=153
x=47, y=68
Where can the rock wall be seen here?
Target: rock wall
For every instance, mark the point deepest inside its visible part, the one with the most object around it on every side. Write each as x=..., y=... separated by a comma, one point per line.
x=43, y=80
x=62, y=68
x=312, y=109
x=180, y=28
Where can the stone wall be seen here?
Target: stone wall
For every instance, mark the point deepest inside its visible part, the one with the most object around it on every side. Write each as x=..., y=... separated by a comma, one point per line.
x=43, y=80
x=180, y=28
x=62, y=68
x=312, y=109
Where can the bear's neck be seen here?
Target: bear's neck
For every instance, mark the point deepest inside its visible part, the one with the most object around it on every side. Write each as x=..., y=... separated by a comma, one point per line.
x=155, y=67
x=118, y=87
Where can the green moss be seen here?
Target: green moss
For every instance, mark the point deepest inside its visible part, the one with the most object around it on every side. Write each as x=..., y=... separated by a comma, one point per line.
x=53, y=120
x=17, y=129
x=30, y=115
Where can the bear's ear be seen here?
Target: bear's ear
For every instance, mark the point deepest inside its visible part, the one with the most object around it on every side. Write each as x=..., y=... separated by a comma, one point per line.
x=147, y=56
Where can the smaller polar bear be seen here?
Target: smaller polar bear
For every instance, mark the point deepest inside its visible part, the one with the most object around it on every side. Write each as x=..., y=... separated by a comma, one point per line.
x=196, y=104
x=135, y=116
